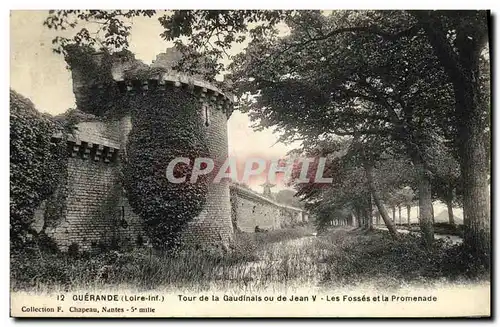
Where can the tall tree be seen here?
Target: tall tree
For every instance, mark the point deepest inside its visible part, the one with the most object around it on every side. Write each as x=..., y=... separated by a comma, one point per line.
x=407, y=195
x=458, y=38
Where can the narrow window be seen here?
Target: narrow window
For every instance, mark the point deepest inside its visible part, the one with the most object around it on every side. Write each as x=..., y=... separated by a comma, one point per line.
x=206, y=114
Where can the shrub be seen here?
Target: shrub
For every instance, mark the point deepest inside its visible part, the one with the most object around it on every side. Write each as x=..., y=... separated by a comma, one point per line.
x=339, y=257
x=376, y=256
x=73, y=250
x=46, y=244
x=139, y=241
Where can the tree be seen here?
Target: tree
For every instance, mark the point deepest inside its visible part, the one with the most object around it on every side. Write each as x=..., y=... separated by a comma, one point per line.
x=447, y=179
x=407, y=195
x=468, y=32
x=392, y=201
x=288, y=197
x=351, y=167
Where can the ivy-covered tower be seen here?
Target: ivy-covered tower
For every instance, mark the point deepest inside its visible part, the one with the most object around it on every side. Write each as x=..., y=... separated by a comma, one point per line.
x=146, y=116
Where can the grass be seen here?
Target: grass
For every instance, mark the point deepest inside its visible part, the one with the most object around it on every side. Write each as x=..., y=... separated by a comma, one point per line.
x=262, y=261
x=439, y=228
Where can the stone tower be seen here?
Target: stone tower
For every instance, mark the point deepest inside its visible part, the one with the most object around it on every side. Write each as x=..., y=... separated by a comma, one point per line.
x=93, y=179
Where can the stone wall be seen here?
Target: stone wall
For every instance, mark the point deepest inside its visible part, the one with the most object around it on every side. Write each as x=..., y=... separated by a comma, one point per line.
x=251, y=209
x=95, y=210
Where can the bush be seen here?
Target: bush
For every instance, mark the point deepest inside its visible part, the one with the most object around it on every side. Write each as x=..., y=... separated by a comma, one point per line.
x=36, y=163
x=446, y=228
x=73, y=250
x=375, y=255
x=46, y=244
x=282, y=235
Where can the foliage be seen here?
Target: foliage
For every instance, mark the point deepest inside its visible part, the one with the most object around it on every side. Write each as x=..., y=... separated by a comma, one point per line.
x=113, y=27
x=406, y=196
x=72, y=117
x=206, y=31
x=447, y=182
x=377, y=256
x=142, y=268
x=350, y=192
x=288, y=197
x=36, y=162
x=164, y=128
x=97, y=93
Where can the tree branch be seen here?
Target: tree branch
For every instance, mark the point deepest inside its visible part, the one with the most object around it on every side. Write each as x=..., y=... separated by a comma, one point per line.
x=373, y=131
x=358, y=29
x=435, y=32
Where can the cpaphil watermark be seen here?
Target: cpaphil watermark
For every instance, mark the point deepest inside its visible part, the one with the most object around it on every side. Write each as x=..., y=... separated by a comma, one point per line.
x=303, y=170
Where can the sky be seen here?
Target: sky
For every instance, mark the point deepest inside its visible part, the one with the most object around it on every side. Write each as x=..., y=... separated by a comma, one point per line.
x=41, y=75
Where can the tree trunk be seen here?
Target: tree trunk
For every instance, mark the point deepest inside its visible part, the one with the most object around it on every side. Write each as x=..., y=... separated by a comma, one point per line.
x=364, y=219
x=425, y=204
x=474, y=161
x=475, y=171
x=383, y=212
x=449, y=205
x=472, y=123
x=369, y=210
x=451, y=218
x=408, y=209
x=377, y=217
x=432, y=212
x=394, y=214
x=358, y=217
x=399, y=209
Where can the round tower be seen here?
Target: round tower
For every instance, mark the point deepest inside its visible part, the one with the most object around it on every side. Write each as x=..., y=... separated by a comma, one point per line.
x=213, y=224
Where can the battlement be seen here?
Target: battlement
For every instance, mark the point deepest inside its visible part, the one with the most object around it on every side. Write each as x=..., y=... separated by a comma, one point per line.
x=207, y=93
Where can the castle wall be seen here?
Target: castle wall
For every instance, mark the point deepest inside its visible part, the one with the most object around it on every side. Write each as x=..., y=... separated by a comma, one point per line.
x=251, y=209
x=95, y=211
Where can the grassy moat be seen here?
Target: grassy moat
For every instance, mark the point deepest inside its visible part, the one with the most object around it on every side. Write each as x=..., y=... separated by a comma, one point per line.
x=287, y=258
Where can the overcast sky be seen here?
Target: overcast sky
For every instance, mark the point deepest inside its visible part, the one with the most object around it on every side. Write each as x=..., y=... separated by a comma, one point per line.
x=41, y=75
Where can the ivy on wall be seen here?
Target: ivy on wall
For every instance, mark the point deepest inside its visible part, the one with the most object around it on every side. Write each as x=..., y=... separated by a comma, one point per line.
x=164, y=127
x=36, y=163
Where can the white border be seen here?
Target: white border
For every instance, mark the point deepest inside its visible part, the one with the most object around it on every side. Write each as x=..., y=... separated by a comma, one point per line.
x=187, y=4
